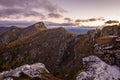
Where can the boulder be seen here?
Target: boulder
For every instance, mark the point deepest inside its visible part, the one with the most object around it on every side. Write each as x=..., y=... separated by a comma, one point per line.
x=96, y=69
x=31, y=71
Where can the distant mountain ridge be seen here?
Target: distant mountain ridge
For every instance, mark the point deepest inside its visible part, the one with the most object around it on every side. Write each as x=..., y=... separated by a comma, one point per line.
x=12, y=33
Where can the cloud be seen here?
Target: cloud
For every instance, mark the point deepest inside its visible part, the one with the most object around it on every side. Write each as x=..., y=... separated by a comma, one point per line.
x=51, y=24
x=90, y=20
x=15, y=23
x=111, y=22
x=27, y=8
x=79, y=20
x=68, y=19
x=17, y=13
x=96, y=19
x=54, y=15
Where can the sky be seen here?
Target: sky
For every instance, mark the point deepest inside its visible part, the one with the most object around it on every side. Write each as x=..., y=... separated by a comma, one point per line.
x=78, y=12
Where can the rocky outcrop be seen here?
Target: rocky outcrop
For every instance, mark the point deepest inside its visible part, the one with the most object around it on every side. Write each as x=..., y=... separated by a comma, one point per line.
x=107, y=44
x=110, y=30
x=94, y=34
x=105, y=31
x=108, y=49
x=96, y=69
x=40, y=26
x=30, y=71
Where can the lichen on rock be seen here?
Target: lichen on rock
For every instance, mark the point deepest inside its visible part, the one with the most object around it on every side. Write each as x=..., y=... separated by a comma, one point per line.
x=96, y=69
x=32, y=71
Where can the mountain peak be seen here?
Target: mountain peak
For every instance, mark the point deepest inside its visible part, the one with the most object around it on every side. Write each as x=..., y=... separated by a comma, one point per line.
x=39, y=25
x=33, y=28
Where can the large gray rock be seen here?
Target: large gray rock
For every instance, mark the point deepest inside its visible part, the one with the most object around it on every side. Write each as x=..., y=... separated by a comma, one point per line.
x=31, y=71
x=96, y=69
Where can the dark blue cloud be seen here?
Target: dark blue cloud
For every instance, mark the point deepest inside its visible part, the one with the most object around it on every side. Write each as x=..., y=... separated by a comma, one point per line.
x=91, y=19
x=54, y=15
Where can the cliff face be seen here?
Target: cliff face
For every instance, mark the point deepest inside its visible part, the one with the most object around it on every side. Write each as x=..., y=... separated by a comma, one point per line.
x=107, y=44
x=108, y=49
x=106, y=62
